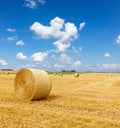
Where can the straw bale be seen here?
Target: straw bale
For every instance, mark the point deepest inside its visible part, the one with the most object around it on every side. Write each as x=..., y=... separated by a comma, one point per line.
x=76, y=75
x=55, y=74
x=7, y=73
x=61, y=74
x=32, y=84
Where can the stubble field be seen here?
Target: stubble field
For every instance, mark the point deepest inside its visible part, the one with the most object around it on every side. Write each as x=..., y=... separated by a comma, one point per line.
x=91, y=100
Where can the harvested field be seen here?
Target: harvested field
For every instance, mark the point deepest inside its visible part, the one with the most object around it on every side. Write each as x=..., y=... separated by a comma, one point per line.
x=91, y=100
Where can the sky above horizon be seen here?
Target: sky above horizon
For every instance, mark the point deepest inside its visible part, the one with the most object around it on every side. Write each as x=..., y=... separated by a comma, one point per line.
x=55, y=35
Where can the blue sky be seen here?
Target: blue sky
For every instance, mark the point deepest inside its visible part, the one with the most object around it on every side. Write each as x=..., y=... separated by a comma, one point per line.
x=55, y=35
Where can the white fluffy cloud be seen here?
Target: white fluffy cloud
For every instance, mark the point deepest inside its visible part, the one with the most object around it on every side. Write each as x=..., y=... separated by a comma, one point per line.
x=111, y=66
x=58, y=66
x=30, y=4
x=30, y=65
x=77, y=63
x=65, y=59
x=118, y=39
x=20, y=42
x=33, y=3
x=21, y=56
x=3, y=62
x=82, y=25
x=39, y=56
x=63, y=32
x=11, y=30
x=61, y=46
x=107, y=55
x=75, y=50
x=12, y=38
x=42, y=1
x=53, y=56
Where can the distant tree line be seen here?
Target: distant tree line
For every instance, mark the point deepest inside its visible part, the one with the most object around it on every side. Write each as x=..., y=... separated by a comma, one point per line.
x=68, y=71
x=6, y=69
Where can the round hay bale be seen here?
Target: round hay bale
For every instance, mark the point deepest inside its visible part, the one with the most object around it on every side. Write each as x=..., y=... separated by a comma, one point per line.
x=110, y=74
x=7, y=73
x=76, y=75
x=61, y=74
x=32, y=84
x=55, y=74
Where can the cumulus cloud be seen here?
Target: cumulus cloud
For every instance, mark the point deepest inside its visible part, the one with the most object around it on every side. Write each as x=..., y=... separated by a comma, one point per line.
x=82, y=25
x=65, y=59
x=75, y=50
x=111, y=66
x=63, y=32
x=30, y=4
x=53, y=56
x=39, y=56
x=118, y=39
x=42, y=1
x=61, y=46
x=58, y=66
x=30, y=65
x=33, y=4
x=20, y=42
x=47, y=65
x=77, y=63
x=11, y=30
x=12, y=38
x=21, y=56
x=107, y=55
x=3, y=62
